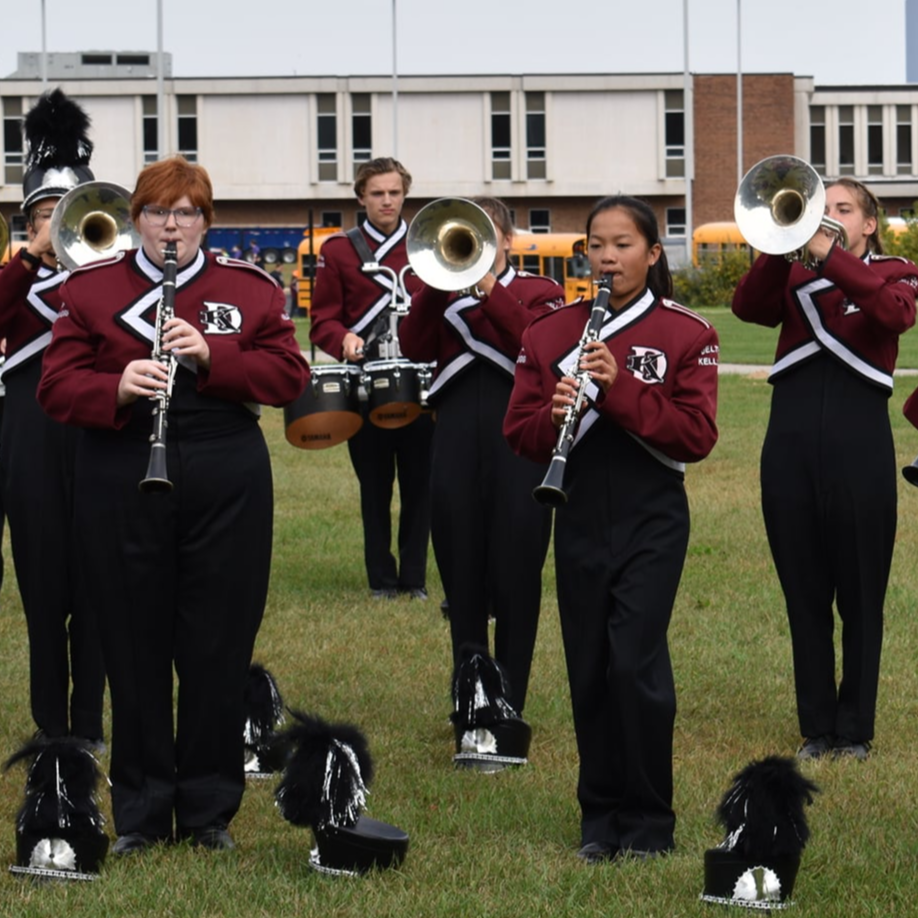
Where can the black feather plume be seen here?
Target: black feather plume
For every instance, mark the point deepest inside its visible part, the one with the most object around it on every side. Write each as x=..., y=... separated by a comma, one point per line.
x=763, y=811
x=327, y=775
x=263, y=706
x=56, y=133
x=60, y=788
x=479, y=690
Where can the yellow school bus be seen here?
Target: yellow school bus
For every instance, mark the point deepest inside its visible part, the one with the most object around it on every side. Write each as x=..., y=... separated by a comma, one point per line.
x=306, y=258
x=711, y=240
x=558, y=255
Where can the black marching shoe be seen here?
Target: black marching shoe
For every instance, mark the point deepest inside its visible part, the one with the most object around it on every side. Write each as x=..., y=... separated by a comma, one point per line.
x=815, y=747
x=384, y=593
x=132, y=843
x=414, y=592
x=214, y=838
x=851, y=749
x=597, y=853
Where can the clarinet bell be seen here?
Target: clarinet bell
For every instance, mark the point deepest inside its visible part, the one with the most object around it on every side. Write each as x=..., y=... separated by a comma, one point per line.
x=156, y=479
x=550, y=492
x=910, y=473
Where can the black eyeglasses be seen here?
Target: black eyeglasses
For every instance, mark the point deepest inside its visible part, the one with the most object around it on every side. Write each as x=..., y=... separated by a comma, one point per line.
x=184, y=216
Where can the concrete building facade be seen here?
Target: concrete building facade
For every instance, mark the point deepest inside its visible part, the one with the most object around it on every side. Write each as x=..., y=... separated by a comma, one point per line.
x=282, y=149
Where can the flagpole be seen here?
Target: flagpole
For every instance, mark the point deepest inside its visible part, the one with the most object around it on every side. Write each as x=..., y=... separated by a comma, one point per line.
x=394, y=79
x=44, y=47
x=689, y=105
x=160, y=85
x=739, y=93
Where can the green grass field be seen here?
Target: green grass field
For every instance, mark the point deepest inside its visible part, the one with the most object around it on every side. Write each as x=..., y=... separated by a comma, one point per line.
x=503, y=846
x=740, y=342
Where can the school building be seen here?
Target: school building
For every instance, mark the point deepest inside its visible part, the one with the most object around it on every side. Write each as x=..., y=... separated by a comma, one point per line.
x=283, y=149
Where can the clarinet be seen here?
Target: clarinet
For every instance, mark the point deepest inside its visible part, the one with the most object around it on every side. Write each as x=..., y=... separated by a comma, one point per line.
x=551, y=491
x=156, y=478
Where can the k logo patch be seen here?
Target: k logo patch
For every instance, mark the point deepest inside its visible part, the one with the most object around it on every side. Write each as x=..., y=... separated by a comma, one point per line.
x=647, y=364
x=221, y=319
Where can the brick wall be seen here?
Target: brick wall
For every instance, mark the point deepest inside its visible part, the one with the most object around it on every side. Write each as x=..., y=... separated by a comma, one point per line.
x=768, y=128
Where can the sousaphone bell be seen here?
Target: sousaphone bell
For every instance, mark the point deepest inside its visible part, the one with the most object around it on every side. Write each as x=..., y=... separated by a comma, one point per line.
x=92, y=221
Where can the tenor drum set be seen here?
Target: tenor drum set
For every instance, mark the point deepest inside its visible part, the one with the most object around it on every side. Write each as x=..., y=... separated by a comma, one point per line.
x=328, y=412
x=451, y=245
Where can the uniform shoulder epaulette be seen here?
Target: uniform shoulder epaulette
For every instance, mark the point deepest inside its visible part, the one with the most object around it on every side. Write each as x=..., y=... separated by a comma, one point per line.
x=92, y=265
x=553, y=313
x=228, y=262
x=876, y=257
x=684, y=310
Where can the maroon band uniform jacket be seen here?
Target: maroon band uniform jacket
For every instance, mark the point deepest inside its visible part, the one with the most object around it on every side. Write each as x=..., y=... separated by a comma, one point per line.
x=348, y=299
x=29, y=304
x=860, y=328
x=108, y=319
x=456, y=331
x=664, y=395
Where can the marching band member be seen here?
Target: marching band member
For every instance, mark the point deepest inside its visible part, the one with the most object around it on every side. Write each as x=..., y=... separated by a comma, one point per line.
x=621, y=538
x=828, y=466
x=489, y=536
x=179, y=578
x=348, y=306
x=66, y=677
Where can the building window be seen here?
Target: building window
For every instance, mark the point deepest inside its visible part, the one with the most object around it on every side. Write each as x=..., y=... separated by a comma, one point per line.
x=133, y=60
x=327, y=133
x=818, y=138
x=674, y=128
x=331, y=218
x=150, y=130
x=95, y=60
x=846, y=140
x=362, y=127
x=535, y=135
x=188, y=127
x=13, y=153
x=540, y=221
x=904, y=139
x=875, y=139
x=675, y=221
x=500, y=136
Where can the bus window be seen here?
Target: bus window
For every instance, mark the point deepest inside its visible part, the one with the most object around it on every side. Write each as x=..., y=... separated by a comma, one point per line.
x=306, y=265
x=578, y=266
x=711, y=240
x=532, y=264
x=556, y=255
x=554, y=267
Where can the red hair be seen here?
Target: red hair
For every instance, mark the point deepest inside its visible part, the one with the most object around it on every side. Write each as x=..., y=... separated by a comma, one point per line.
x=168, y=180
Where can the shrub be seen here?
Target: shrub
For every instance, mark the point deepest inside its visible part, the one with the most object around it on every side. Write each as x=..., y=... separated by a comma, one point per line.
x=712, y=283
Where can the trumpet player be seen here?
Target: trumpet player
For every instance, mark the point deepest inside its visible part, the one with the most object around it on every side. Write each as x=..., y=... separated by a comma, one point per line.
x=621, y=537
x=67, y=681
x=489, y=537
x=828, y=471
x=179, y=576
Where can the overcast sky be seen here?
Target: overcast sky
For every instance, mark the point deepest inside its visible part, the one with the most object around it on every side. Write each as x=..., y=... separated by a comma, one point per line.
x=838, y=42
